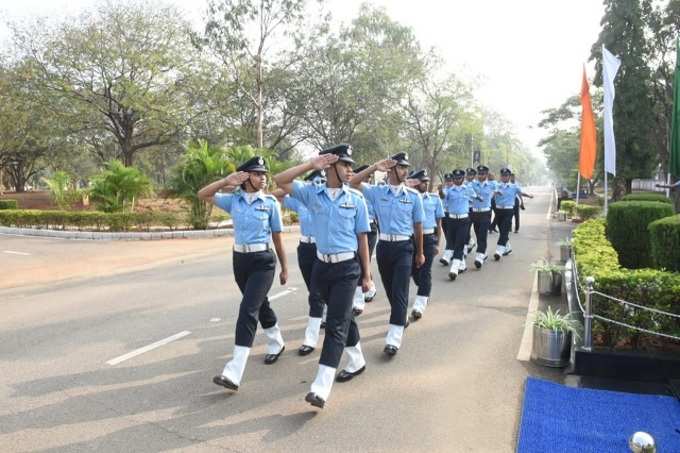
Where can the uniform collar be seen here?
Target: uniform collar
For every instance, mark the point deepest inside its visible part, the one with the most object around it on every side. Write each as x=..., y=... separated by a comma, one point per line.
x=260, y=195
x=322, y=187
x=400, y=191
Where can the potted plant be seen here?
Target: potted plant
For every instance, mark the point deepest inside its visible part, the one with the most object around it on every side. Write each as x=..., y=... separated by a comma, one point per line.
x=553, y=334
x=565, y=250
x=549, y=277
x=562, y=216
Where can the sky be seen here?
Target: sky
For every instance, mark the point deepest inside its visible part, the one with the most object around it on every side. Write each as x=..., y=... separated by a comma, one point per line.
x=524, y=56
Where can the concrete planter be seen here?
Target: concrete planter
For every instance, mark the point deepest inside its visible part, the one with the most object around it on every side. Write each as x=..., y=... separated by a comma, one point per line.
x=556, y=288
x=545, y=282
x=562, y=216
x=565, y=253
x=551, y=347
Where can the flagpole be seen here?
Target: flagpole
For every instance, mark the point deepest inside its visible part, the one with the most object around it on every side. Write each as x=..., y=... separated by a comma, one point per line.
x=578, y=188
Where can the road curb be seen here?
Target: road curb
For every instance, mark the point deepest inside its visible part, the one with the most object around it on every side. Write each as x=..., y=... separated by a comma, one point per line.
x=127, y=236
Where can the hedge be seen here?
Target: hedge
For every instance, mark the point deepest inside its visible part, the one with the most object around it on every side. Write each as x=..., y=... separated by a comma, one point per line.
x=647, y=196
x=627, y=223
x=595, y=257
x=121, y=221
x=587, y=212
x=8, y=204
x=664, y=237
x=568, y=207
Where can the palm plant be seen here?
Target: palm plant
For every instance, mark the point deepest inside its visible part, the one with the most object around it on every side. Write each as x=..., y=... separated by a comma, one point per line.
x=58, y=185
x=117, y=187
x=199, y=166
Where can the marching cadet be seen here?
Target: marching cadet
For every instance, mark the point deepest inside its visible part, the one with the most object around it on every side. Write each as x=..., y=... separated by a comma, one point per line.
x=519, y=204
x=306, y=255
x=481, y=211
x=257, y=221
x=399, y=210
x=505, y=204
x=470, y=174
x=340, y=216
x=457, y=200
x=445, y=260
x=361, y=298
x=432, y=232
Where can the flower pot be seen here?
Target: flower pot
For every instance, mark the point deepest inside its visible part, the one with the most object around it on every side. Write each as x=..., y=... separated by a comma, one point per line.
x=551, y=348
x=565, y=253
x=562, y=216
x=556, y=288
x=545, y=282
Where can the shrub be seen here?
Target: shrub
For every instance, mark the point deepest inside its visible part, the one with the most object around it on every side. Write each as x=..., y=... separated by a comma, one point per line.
x=118, y=221
x=627, y=223
x=63, y=196
x=587, y=212
x=116, y=188
x=595, y=257
x=664, y=237
x=647, y=196
x=568, y=207
x=8, y=204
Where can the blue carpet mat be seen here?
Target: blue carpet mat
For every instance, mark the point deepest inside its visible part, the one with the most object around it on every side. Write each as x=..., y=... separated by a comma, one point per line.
x=556, y=418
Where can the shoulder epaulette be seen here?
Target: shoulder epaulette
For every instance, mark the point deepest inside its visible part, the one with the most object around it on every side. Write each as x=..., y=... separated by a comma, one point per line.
x=270, y=196
x=355, y=191
x=412, y=190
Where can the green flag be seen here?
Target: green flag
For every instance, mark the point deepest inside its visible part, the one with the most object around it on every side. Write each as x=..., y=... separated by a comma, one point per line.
x=674, y=167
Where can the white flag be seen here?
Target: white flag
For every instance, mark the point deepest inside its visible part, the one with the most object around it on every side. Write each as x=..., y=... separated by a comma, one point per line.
x=610, y=66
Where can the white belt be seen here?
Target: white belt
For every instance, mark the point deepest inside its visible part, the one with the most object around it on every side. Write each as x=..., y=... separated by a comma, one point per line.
x=458, y=216
x=307, y=239
x=335, y=257
x=250, y=248
x=505, y=207
x=393, y=237
x=428, y=231
x=481, y=209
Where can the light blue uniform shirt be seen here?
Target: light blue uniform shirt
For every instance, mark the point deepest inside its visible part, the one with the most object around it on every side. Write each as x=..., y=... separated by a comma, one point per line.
x=506, y=199
x=337, y=222
x=396, y=214
x=253, y=223
x=434, y=210
x=306, y=223
x=371, y=211
x=458, y=199
x=484, y=190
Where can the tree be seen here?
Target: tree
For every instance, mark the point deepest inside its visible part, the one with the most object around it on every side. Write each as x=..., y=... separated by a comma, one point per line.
x=124, y=71
x=117, y=187
x=624, y=34
x=227, y=32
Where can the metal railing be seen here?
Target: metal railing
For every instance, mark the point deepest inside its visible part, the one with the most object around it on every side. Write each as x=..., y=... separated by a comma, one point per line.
x=589, y=316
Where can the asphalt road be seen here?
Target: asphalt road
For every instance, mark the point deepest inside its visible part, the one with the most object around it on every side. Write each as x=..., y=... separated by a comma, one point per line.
x=454, y=386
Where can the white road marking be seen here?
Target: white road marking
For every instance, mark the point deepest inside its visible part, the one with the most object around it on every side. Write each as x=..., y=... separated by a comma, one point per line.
x=282, y=293
x=148, y=348
x=215, y=319
x=550, y=206
x=12, y=252
x=524, y=354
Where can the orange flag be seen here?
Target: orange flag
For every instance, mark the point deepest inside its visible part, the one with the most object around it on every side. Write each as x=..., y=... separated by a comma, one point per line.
x=588, y=150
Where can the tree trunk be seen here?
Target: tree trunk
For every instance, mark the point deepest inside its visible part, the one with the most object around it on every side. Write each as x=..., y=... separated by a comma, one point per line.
x=260, y=133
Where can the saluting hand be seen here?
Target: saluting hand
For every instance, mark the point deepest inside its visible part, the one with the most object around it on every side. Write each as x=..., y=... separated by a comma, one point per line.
x=324, y=161
x=420, y=260
x=385, y=164
x=237, y=178
x=283, y=276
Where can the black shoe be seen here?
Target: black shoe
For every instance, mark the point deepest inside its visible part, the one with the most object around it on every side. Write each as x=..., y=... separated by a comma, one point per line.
x=305, y=350
x=443, y=262
x=315, y=400
x=478, y=264
x=272, y=358
x=224, y=382
x=452, y=276
x=390, y=350
x=416, y=315
x=496, y=257
x=345, y=376
x=323, y=324
x=356, y=311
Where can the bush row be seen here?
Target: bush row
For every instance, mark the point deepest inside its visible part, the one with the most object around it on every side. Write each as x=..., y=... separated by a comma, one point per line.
x=664, y=238
x=8, y=204
x=647, y=196
x=99, y=221
x=595, y=257
x=568, y=207
x=587, y=212
x=627, y=229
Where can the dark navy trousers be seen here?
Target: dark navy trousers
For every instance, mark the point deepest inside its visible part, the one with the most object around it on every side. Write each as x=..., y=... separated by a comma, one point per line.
x=422, y=276
x=504, y=217
x=306, y=254
x=395, y=260
x=336, y=283
x=457, y=235
x=254, y=273
x=481, y=222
